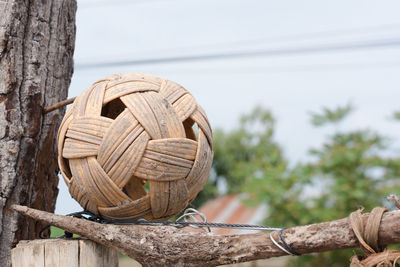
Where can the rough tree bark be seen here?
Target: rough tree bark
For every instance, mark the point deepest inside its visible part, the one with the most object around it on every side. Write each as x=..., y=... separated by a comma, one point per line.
x=36, y=48
x=167, y=246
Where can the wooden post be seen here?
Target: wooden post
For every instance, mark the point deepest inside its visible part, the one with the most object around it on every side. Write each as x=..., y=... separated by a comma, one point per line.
x=63, y=253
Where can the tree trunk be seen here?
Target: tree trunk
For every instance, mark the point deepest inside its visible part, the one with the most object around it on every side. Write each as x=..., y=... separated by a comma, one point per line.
x=36, y=48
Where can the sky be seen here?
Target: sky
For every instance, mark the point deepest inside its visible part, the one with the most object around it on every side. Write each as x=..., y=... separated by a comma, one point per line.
x=292, y=57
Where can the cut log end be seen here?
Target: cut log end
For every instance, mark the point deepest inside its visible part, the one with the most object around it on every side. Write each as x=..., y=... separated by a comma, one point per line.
x=63, y=252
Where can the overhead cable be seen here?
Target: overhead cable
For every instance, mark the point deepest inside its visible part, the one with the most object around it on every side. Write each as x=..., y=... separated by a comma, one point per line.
x=372, y=44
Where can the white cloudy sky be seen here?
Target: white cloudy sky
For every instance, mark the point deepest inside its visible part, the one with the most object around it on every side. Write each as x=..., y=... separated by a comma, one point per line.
x=289, y=83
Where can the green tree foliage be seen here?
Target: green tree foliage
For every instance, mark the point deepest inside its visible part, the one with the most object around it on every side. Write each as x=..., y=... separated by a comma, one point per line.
x=330, y=115
x=238, y=154
x=396, y=115
x=348, y=171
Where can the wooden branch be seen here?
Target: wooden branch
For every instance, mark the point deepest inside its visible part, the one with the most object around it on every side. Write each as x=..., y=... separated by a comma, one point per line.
x=167, y=246
x=59, y=105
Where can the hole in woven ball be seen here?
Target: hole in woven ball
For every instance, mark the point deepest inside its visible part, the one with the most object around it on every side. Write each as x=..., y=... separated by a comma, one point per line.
x=113, y=108
x=191, y=129
x=147, y=187
x=135, y=188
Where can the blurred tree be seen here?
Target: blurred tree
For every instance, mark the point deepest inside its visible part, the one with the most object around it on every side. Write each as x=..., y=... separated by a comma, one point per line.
x=246, y=152
x=331, y=115
x=348, y=171
x=396, y=115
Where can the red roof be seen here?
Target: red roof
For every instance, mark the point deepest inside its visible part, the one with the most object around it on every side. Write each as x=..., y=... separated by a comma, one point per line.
x=230, y=209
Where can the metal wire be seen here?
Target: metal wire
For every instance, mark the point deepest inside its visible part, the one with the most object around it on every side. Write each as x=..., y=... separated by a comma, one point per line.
x=189, y=213
x=289, y=248
x=279, y=246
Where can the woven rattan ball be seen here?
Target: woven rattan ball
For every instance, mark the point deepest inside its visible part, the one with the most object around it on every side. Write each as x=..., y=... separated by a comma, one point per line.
x=128, y=150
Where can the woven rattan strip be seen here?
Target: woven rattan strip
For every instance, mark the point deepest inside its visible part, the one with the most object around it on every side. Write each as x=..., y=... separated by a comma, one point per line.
x=127, y=148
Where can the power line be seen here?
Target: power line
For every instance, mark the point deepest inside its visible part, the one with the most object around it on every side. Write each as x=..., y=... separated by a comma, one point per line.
x=383, y=28
x=279, y=69
x=313, y=35
x=287, y=38
x=107, y=3
x=382, y=43
x=296, y=37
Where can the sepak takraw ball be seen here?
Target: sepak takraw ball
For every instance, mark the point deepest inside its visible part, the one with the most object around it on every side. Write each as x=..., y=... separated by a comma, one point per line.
x=128, y=147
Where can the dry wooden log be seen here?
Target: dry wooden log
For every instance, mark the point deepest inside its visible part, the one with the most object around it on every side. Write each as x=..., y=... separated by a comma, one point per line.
x=167, y=246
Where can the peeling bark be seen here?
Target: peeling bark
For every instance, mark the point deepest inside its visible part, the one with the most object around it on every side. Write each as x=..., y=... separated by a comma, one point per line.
x=36, y=48
x=168, y=246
